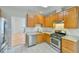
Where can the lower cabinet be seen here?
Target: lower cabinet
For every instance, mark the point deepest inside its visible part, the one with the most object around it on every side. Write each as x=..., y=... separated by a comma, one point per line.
x=42, y=37
x=47, y=38
x=39, y=38
x=69, y=46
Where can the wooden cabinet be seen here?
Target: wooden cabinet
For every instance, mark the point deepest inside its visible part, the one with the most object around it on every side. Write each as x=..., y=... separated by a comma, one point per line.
x=52, y=18
x=40, y=20
x=49, y=21
x=31, y=21
x=55, y=17
x=71, y=18
x=47, y=38
x=42, y=37
x=68, y=46
x=36, y=19
x=39, y=38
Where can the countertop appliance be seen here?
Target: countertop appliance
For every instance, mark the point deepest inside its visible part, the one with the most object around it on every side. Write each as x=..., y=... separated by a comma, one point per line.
x=56, y=40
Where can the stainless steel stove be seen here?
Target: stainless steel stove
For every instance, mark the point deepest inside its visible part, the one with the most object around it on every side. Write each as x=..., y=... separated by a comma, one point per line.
x=56, y=41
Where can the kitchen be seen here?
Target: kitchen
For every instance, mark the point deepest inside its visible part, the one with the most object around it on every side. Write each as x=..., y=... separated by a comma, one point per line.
x=53, y=29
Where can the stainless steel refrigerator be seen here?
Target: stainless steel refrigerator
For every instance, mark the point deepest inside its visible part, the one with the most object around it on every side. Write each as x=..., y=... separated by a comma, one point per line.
x=2, y=34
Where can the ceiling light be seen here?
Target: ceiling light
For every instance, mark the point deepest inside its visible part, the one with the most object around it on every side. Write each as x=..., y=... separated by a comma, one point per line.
x=40, y=12
x=45, y=6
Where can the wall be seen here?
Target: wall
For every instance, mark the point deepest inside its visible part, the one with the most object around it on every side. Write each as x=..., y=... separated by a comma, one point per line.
x=73, y=32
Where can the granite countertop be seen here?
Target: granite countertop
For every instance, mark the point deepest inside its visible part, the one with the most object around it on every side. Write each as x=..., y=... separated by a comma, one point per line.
x=35, y=33
x=72, y=38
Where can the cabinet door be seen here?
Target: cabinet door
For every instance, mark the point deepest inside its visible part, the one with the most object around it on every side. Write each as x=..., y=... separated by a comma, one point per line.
x=39, y=38
x=47, y=38
x=68, y=45
x=48, y=22
x=70, y=18
x=31, y=21
x=40, y=19
x=55, y=17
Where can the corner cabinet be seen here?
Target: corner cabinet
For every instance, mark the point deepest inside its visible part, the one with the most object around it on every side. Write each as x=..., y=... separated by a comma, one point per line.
x=39, y=38
x=71, y=18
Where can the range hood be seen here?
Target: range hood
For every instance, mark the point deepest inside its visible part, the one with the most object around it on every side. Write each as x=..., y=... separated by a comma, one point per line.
x=58, y=25
x=58, y=21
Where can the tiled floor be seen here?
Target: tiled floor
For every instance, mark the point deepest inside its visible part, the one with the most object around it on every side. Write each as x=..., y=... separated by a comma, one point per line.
x=40, y=48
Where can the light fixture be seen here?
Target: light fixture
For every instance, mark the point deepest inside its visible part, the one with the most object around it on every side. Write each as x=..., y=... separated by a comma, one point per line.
x=40, y=12
x=45, y=6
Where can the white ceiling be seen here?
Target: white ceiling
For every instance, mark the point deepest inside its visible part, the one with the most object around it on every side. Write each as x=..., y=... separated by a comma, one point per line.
x=23, y=10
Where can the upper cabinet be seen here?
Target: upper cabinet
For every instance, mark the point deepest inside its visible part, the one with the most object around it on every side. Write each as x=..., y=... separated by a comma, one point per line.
x=52, y=18
x=48, y=21
x=36, y=19
x=31, y=21
x=40, y=20
x=71, y=18
x=55, y=17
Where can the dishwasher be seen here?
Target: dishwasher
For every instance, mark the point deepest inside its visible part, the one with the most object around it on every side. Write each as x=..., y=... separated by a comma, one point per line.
x=30, y=40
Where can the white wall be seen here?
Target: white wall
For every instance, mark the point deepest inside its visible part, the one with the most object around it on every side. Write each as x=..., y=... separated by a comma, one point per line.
x=18, y=24
x=73, y=32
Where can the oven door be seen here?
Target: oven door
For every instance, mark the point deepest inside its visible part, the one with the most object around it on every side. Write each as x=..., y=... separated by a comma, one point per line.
x=55, y=42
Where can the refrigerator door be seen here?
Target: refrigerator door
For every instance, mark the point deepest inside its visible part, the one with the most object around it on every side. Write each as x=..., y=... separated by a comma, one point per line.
x=1, y=31
x=2, y=35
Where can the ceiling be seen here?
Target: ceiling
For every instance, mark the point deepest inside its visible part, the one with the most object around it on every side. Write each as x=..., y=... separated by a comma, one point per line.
x=23, y=10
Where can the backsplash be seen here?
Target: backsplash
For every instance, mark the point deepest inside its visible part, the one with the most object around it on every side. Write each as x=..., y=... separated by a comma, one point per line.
x=44, y=29
x=73, y=32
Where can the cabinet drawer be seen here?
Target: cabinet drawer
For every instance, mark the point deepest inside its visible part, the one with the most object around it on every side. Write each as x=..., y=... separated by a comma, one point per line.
x=69, y=48
x=65, y=50
x=68, y=42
